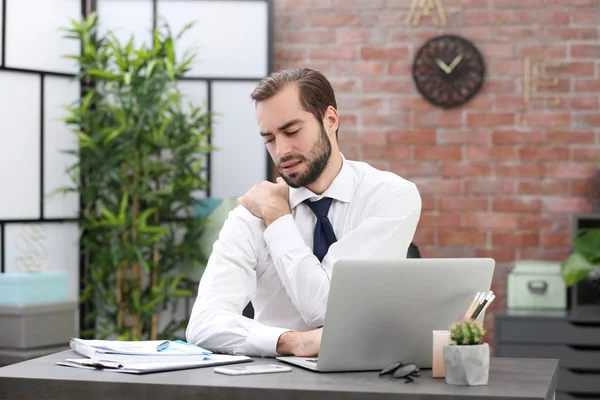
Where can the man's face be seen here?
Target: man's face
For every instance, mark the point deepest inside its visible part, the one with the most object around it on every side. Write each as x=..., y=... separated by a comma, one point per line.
x=296, y=141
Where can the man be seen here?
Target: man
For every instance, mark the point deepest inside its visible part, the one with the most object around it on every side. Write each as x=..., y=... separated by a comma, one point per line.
x=278, y=247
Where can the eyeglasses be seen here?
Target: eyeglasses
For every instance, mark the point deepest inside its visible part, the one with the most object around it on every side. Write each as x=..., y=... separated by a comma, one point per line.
x=401, y=370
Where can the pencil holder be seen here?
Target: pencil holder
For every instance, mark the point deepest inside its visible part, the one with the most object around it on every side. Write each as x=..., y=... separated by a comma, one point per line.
x=440, y=339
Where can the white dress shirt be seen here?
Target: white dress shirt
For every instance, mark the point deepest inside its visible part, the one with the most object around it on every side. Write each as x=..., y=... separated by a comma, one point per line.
x=374, y=215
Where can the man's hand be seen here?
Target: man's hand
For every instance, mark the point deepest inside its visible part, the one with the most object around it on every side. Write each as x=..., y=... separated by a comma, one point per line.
x=300, y=344
x=267, y=201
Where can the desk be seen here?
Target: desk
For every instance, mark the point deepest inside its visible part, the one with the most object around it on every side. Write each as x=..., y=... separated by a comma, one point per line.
x=41, y=379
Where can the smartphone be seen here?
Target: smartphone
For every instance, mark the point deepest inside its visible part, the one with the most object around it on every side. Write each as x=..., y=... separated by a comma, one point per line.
x=252, y=369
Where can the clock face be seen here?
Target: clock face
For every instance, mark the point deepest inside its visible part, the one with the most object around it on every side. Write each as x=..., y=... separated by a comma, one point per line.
x=448, y=70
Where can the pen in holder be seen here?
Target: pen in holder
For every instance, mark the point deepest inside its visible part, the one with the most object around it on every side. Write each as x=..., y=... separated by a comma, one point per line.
x=440, y=339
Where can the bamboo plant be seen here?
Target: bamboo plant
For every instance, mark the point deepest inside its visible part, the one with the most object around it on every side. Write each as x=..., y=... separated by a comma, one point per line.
x=140, y=159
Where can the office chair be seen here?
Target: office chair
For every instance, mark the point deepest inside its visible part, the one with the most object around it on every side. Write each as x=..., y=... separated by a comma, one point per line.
x=413, y=252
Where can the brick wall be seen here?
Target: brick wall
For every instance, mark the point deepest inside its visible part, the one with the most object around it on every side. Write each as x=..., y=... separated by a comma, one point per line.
x=499, y=177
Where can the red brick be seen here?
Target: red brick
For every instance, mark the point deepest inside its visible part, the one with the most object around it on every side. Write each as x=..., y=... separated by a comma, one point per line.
x=556, y=16
x=358, y=4
x=518, y=3
x=437, y=185
x=585, y=188
x=460, y=136
x=585, y=17
x=500, y=85
x=371, y=137
x=384, y=52
x=581, y=102
x=399, y=85
x=568, y=205
x=437, y=153
x=485, y=153
x=438, y=118
x=543, y=119
x=490, y=220
x=463, y=3
x=562, y=170
x=562, y=33
x=308, y=4
x=527, y=17
x=449, y=252
x=490, y=119
x=545, y=253
x=447, y=203
x=557, y=239
x=534, y=222
x=523, y=170
x=543, y=153
x=428, y=203
x=518, y=204
x=335, y=53
x=433, y=220
x=589, y=119
x=415, y=169
x=425, y=236
x=367, y=68
x=468, y=170
x=391, y=18
x=542, y=50
x=501, y=254
x=373, y=102
x=508, y=67
x=311, y=36
x=512, y=34
x=537, y=187
x=410, y=102
x=290, y=54
x=571, y=136
x=402, y=68
x=516, y=239
x=587, y=85
x=334, y=19
x=344, y=84
x=517, y=137
x=497, y=50
x=412, y=136
x=476, y=17
x=383, y=119
x=585, y=154
x=510, y=102
x=572, y=3
x=585, y=50
x=461, y=238
x=347, y=35
x=490, y=186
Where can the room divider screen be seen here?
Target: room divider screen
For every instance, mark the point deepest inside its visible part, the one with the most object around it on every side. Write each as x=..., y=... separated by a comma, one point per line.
x=234, y=43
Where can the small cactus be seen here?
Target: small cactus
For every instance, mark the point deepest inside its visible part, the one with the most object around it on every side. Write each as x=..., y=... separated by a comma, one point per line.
x=466, y=332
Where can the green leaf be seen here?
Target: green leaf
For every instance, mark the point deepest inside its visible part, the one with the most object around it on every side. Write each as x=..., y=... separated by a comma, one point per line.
x=575, y=268
x=103, y=74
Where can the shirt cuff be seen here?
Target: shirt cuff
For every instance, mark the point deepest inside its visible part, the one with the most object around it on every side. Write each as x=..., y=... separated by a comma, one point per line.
x=262, y=340
x=282, y=236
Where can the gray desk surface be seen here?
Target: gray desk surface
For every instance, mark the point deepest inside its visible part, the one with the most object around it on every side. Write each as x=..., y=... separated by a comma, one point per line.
x=41, y=379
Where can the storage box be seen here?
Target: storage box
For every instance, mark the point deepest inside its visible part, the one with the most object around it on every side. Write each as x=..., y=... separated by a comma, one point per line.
x=20, y=289
x=37, y=325
x=536, y=284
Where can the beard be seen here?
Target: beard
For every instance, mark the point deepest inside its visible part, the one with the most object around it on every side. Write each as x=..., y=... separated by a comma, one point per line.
x=316, y=162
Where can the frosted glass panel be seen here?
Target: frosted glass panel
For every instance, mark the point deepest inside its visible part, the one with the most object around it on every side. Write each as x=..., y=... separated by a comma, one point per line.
x=229, y=37
x=241, y=158
x=19, y=145
x=46, y=247
x=126, y=17
x=58, y=92
x=33, y=40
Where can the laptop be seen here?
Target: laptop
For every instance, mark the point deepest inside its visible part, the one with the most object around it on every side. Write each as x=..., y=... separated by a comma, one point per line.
x=383, y=311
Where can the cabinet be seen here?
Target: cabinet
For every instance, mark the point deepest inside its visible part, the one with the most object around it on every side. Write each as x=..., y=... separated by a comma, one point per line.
x=571, y=336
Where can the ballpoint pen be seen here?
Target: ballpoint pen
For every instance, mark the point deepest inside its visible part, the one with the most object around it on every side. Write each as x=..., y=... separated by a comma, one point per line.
x=163, y=345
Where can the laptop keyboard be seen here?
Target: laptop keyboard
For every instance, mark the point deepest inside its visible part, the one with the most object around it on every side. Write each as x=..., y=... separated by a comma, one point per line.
x=312, y=360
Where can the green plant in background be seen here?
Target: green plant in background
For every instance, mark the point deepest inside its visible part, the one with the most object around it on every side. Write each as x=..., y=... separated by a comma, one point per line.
x=466, y=332
x=585, y=257
x=139, y=166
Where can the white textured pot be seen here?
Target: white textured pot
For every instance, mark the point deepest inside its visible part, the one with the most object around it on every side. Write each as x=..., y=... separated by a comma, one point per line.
x=467, y=365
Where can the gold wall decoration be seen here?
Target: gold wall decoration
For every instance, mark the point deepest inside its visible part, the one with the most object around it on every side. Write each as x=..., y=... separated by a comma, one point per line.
x=426, y=8
x=536, y=78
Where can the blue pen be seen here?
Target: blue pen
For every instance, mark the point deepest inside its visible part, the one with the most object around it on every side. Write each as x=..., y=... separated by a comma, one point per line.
x=162, y=346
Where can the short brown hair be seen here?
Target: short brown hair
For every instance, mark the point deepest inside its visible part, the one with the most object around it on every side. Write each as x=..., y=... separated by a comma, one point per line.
x=316, y=93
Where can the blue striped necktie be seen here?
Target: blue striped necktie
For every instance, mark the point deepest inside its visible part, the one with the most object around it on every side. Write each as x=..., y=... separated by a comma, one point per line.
x=324, y=234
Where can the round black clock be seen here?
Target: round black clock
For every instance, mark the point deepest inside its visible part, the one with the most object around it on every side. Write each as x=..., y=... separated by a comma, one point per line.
x=448, y=70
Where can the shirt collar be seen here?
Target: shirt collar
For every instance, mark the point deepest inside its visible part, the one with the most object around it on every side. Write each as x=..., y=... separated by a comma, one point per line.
x=340, y=189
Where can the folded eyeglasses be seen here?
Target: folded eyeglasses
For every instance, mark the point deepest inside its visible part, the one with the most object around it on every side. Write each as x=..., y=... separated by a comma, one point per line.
x=401, y=370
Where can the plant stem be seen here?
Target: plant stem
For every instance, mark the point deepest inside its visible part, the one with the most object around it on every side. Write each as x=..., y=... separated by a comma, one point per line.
x=155, y=257
x=136, y=266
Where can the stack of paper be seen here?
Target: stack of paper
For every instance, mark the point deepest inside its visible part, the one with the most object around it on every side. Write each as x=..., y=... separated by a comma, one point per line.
x=144, y=356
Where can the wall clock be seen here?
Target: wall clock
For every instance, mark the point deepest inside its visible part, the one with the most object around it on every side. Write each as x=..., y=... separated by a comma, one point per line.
x=448, y=70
